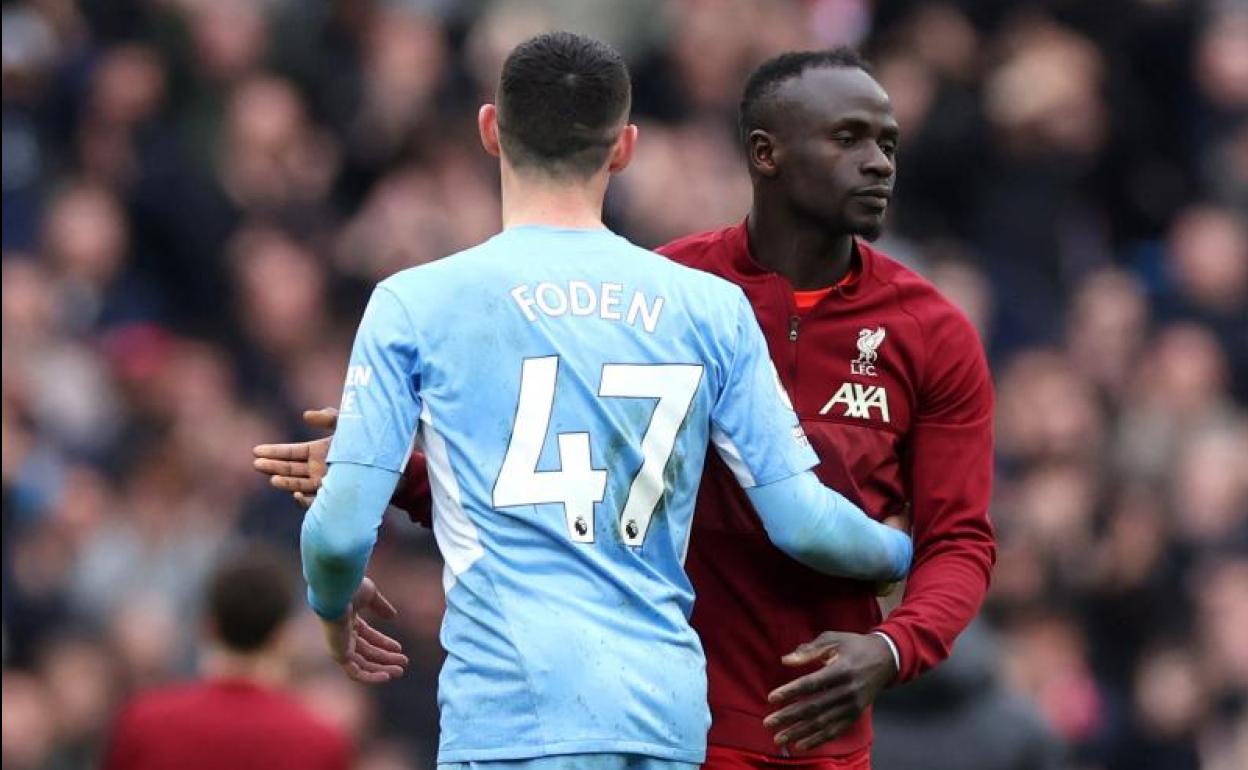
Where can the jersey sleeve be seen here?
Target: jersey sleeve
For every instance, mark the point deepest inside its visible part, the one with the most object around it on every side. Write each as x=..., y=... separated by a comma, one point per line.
x=753, y=425
x=948, y=467
x=380, y=407
x=340, y=531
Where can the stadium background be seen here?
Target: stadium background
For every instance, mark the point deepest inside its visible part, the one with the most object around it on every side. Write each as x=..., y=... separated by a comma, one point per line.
x=198, y=195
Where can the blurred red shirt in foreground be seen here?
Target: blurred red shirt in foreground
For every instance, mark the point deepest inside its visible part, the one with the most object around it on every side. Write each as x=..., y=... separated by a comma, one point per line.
x=223, y=723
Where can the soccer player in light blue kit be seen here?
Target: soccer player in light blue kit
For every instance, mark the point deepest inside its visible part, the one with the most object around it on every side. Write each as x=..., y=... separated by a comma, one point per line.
x=565, y=386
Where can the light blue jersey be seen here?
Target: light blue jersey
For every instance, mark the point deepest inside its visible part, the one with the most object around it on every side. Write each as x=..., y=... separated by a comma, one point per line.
x=565, y=386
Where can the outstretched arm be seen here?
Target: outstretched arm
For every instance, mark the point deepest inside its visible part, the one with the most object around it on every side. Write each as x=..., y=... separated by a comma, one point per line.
x=300, y=467
x=820, y=528
x=382, y=401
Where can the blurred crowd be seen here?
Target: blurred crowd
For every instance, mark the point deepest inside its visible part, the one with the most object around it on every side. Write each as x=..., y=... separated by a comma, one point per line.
x=199, y=194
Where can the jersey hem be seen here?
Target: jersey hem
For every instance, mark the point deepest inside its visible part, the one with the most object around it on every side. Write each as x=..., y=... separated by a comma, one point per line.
x=574, y=747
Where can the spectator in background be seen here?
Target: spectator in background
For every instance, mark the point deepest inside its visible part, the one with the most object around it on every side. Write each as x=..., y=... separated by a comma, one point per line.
x=87, y=241
x=84, y=685
x=961, y=716
x=1207, y=268
x=237, y=716
x=27, y=736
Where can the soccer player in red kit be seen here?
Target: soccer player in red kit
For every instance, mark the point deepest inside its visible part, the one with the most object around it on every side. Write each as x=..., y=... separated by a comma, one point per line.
x=237, y=717
x=892, y=387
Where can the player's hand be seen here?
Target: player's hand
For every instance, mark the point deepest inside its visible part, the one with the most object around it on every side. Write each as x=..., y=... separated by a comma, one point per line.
x=821, y=705
x=361, y=651
x=299, y=468
x=900, y=522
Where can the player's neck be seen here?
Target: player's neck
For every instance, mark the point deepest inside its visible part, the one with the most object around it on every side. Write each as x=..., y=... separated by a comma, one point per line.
x=535, y=200
x=263, y=668
x=808, y=255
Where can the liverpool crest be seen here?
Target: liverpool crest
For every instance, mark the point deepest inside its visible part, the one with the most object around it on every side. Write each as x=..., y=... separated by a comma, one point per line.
x=869, y=341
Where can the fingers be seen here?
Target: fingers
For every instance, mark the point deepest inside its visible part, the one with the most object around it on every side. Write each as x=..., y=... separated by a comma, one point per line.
x=364, y=594
x=283, y=451
x=833, y=728
x=811, y=652
x=370, y=597
x=361, y=674
x=275, y=467
x=326, y=418
x=375, y=637
x=821, y=648
x=294, y=484
x=303, y=499
x=809, y=684
x=364, y=654
x=378, y=656
x=370, y=663
x=804, y=711
x=373, y=667
x=898, y=522
x=821, y=729
x=382, y=606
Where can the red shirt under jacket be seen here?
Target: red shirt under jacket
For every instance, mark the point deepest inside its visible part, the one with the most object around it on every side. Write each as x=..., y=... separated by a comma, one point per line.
x=220, y=724
x=891, y=385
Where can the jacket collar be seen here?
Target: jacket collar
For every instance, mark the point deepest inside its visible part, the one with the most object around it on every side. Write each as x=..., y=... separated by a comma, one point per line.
x=743, y=264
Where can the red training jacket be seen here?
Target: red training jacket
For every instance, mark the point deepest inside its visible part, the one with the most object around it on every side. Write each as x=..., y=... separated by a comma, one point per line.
x=891, y=385
x=220, y=724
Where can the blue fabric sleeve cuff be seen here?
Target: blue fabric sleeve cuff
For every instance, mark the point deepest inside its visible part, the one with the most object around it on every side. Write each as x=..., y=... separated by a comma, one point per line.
x=820, y=528
x=339, y=533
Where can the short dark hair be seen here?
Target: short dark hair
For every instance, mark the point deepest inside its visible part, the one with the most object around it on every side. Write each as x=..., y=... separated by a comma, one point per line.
x=562, y=99
x=768, y=76
x=249, y=597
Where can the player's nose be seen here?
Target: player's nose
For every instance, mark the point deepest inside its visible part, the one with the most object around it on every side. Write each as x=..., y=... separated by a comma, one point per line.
x=877, y=163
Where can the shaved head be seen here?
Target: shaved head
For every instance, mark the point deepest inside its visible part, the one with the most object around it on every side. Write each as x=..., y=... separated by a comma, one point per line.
x=759, y=102
x=820, y=138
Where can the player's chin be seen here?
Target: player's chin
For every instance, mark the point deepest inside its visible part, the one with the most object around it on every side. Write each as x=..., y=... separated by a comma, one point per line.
x=869, y=227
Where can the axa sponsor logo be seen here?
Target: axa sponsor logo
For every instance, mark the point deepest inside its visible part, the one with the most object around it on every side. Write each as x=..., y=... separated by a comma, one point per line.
x=858, y=400
x=869, y=341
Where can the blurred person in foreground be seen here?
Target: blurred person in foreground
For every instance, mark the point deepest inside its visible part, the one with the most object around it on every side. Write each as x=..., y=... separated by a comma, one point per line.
x=237, y=715
x=564, y=491
x=892, y=387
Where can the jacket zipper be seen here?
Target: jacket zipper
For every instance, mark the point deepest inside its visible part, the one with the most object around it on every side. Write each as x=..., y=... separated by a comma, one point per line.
x=793, y=322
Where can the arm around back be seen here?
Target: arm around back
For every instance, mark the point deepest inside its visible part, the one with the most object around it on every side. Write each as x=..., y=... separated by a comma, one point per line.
x=820, y=528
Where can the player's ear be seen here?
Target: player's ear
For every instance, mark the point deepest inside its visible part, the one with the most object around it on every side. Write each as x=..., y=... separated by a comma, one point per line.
x=763, y=152
x=622, y=150
x=487, y=126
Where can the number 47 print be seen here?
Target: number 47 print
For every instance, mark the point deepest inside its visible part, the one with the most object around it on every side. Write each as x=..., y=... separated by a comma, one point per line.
x=577, y=484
